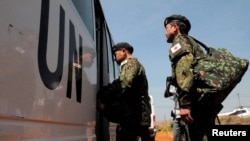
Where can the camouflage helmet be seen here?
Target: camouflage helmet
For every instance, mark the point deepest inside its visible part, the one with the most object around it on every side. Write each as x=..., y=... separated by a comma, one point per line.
x=178, y=18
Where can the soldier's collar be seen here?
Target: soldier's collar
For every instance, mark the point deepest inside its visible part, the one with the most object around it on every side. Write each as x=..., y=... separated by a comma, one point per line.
x=123, y=62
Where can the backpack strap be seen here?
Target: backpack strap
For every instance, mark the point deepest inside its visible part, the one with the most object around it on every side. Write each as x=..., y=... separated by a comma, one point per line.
x=202, y=44
x=209, y=50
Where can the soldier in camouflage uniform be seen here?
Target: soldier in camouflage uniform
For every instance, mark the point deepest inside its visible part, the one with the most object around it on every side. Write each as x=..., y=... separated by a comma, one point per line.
x=130, y=90
x=184, y=49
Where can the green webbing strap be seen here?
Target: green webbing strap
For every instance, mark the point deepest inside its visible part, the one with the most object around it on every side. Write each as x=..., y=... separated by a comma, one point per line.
x=202, y=44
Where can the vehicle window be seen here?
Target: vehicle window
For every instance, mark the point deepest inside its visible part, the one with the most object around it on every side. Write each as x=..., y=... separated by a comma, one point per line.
x=85, y=10
x=113, y=72
x=242, y=111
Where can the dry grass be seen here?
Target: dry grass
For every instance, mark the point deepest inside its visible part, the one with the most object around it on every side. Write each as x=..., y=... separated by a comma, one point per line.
x=167, y=126
x=165, y=131
x=234, y=120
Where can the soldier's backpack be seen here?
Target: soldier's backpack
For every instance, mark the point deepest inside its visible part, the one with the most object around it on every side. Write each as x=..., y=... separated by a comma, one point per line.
x=217, y=73
x=113, y=107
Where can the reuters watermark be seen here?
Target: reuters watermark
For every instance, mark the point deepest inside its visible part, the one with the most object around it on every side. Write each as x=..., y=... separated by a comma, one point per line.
x=241, y=132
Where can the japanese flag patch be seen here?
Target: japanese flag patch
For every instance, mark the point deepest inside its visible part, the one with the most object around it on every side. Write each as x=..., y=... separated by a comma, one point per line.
x=175, y=48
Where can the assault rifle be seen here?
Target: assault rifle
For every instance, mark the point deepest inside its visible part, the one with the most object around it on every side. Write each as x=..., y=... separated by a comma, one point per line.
x=169, y=83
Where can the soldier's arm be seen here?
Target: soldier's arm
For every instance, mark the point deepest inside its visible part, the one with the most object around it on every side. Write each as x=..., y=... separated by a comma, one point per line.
x=128, y=74
x=184, y=78
x=124, y=83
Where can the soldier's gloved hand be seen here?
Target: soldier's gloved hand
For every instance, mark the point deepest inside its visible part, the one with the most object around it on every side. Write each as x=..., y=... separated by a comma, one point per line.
x=103, y=97
x=100, y=106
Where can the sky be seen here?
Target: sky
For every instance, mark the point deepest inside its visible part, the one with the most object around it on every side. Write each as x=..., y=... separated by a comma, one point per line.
x=217, y=23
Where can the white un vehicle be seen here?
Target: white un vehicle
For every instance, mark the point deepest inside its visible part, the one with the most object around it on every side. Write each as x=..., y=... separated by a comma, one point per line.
x=47, y=92
x=152, y=128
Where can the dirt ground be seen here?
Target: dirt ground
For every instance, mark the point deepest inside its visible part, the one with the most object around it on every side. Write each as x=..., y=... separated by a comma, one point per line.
x=164, y=136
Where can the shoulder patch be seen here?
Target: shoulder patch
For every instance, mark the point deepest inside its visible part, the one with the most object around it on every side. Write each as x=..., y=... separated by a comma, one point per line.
x=176, y=47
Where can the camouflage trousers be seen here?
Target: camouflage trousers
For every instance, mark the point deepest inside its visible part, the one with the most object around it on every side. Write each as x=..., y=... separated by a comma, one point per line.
x=132, y=133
